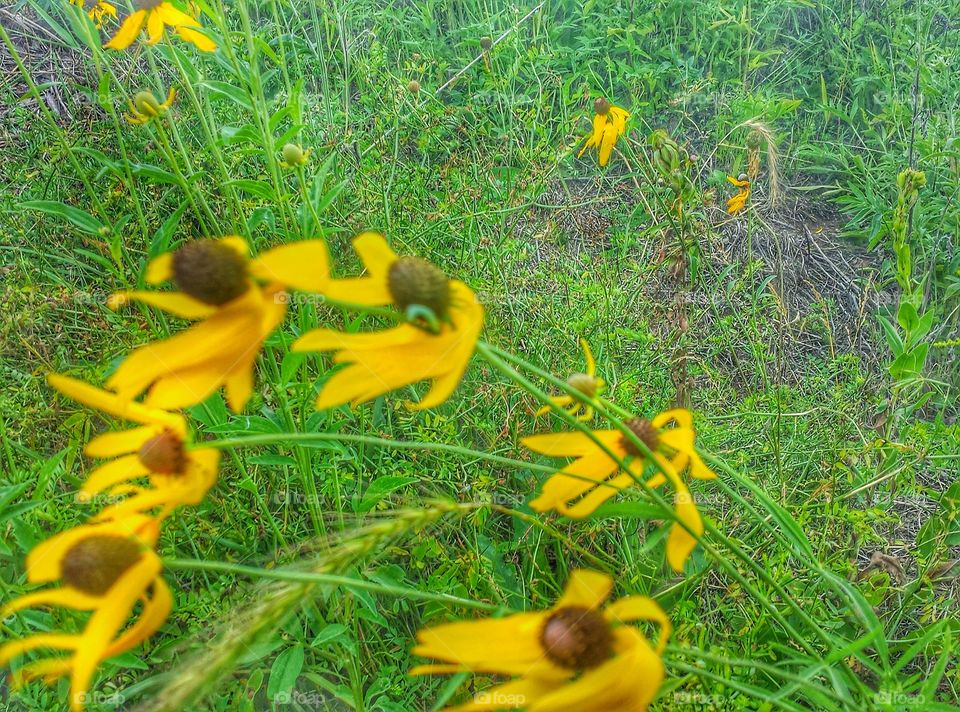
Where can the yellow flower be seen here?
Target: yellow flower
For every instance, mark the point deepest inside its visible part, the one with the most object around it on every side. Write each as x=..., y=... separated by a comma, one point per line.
x=96, y=10
x=445, y=317
x=155, y=15
x=217, y=285
x=609, y=124
x=594, y=477
x=156, y=449
x=739, y=201
x=585, y=383
x=145, y=106
x=573, y=657
x=105, y=568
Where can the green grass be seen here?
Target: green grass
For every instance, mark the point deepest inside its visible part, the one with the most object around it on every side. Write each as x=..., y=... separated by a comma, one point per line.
x=482, y=178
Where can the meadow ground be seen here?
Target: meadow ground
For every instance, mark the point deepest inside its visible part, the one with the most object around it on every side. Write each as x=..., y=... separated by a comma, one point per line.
x=818, y=355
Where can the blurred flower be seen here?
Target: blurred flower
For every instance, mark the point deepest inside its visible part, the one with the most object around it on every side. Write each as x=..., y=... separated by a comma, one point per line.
x=739, y=201
x=444, y=322
x=294, y=156
x=155, y=15
x=573, y=657
x=96, y=10
x=105, y=568
x=156, y=449
x=586, y=384
x=609, y=123
x=145, y=106
x=594, y=477
x=217, y=281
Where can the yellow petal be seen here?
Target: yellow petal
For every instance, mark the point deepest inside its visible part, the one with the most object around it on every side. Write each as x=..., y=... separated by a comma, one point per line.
x=67, y=597
x=509, y=645
x=573, y=481
x=154, y=613
x=154, y=26
x=128, y=31
x=572, y=444
x=197, y=39
x=14, y=648
x=586, y=588
x=559, y=401
x=681, y=416
x=237, y=243
x=640, y=608
x=107, y=621
x=160, y=269
x=121, y=443
x=175, y=303
x=300, y=265
x=114, y=404
x=122, y=469
x=607, y=142
x=174, y=17
x=374, y=252
x=681, y=543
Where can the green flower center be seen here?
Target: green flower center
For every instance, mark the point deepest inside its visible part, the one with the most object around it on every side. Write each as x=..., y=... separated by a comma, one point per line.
x=645, y=432
x=210, y=271
x=293, y=154
x=601, y=106
x=415, y=281
x=164, y=454
x=583, y=383
x=576, y=638
x=93, y=565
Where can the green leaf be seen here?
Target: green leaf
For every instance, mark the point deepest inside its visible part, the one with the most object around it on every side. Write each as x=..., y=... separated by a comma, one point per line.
x=380, y=488
x=259, y=188
x=284, y=673
x=235, y=94
x=907, y=316
x=77, y=217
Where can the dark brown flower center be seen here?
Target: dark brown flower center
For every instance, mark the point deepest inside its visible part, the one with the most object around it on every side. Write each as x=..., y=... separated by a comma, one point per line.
x=93, y=565
x=210, y=271
x=147, y=4
x=601, y=106
x=412, y=280
x=486, y=43
x=645, y=432
x=577, y=638
x=164, y=454
x=583, y=383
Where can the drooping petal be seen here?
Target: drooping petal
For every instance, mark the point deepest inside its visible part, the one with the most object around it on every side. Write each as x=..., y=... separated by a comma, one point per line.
x=107, y=620
x=122, y=442
x=509, y=645
x=607, y=142
x=571, y=444
x=67, y=597
x=586, y=588
x=154, y=26
x=57, y=641
x=303, y=265
x=128, y=31
x=122, y=469
x=175, y=303
x=114, y=404
x=641, y=608
x=154, y=613
x=369, y=290
x=174, y=17
x=197, y=39
x=563, y=489
x=160, y=268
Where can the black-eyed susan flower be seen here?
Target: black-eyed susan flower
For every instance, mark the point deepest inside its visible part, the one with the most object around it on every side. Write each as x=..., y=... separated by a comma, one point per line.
x=219, y=285
x=594, y=477
x=739, y=201
x=609, y=124
x=145, y=107
x=156, y=450
x=96, y=10
x=587, y=385
x=574, y=657
x=444, y=322
x=105, y=568
x=155, y=16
